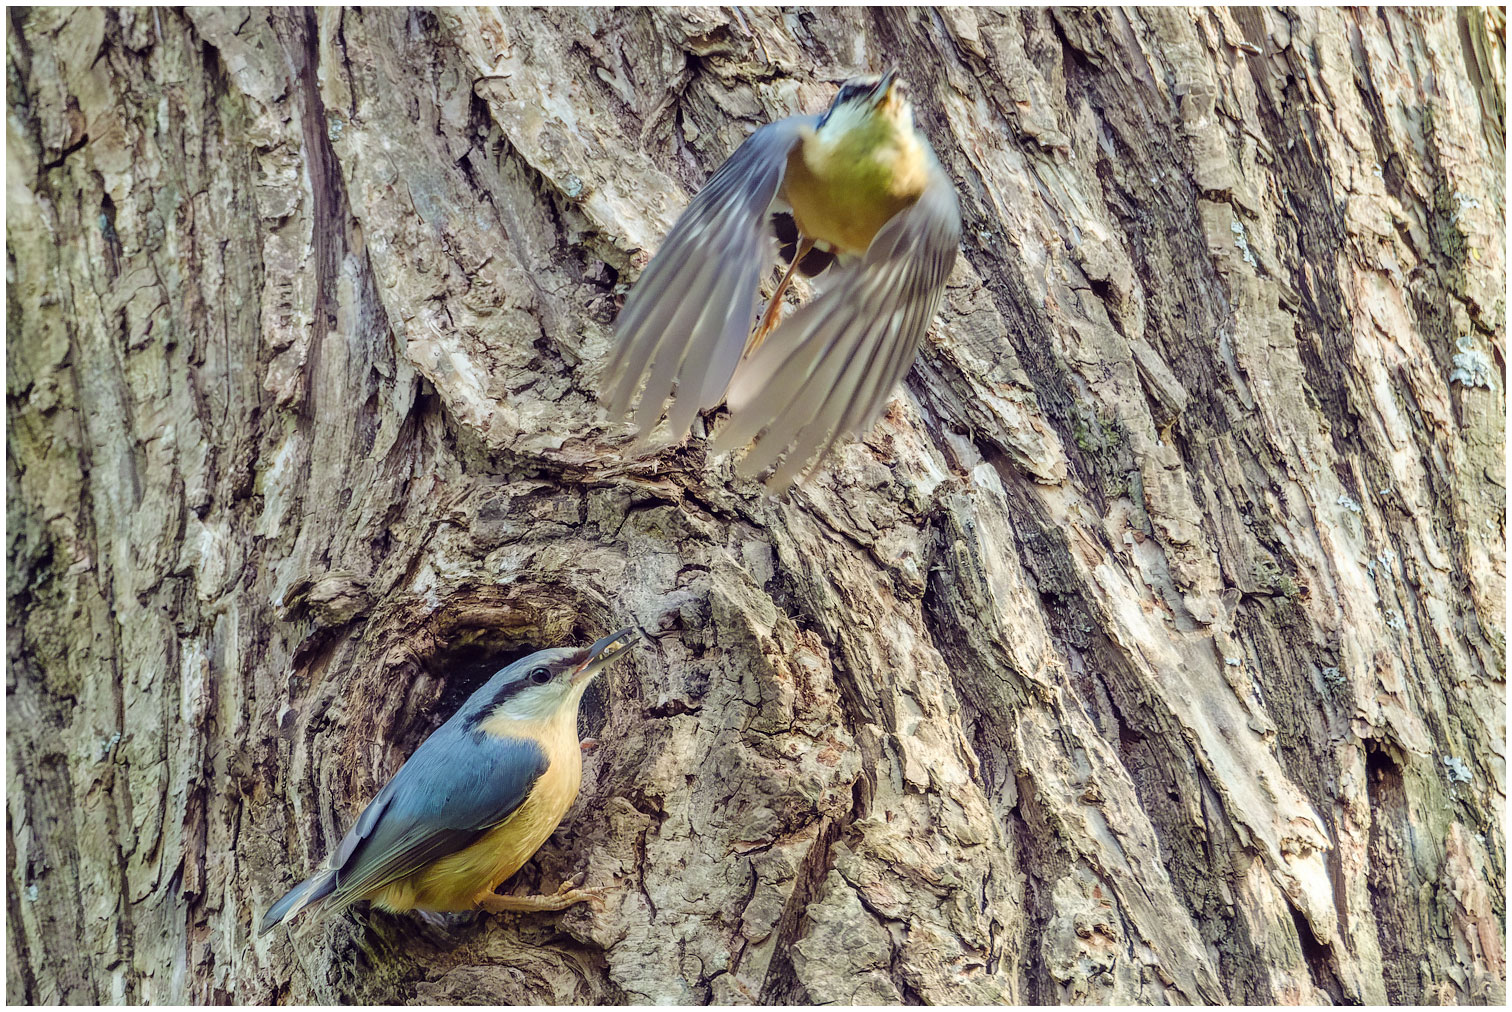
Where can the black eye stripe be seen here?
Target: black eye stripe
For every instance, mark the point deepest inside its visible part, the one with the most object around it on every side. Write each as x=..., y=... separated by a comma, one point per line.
x=847, y=92
x=518, y=686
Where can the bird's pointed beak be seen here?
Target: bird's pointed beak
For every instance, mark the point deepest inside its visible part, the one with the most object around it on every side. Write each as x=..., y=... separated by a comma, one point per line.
x=604, y=651
x=885, y=85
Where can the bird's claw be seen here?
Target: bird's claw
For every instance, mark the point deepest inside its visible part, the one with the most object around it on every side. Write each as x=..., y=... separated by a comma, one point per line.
x=593, y=897
x=570, y=892
x=567, y=895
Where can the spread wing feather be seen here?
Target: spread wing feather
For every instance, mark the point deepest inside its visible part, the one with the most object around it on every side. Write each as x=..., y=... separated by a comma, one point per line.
x=687, y=319
x=830, y=368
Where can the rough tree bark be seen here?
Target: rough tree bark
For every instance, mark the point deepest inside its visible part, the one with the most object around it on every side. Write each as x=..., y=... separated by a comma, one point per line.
x=1150, y=649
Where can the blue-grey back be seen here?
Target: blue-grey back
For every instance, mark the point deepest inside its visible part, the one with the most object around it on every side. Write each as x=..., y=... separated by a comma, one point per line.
x=459, y=783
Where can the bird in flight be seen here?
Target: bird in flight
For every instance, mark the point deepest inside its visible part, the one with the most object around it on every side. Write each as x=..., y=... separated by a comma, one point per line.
x=863, y=189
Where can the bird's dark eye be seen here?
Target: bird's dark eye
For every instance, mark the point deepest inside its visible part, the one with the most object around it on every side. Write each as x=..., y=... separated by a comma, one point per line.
x=540, y=676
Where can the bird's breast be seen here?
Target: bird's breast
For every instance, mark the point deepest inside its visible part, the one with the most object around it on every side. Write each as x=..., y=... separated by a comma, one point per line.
x=455, y=881
x=843, y=192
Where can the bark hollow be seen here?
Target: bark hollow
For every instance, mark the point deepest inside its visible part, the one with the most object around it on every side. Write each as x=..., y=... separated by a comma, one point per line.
x=1151, y=648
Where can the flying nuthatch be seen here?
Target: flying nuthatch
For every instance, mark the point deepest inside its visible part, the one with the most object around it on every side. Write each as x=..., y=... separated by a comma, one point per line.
x=474, y=801
x=860, y=182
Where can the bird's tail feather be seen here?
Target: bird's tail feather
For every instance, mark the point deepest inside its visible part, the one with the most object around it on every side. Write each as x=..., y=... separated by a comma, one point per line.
x=312, y=890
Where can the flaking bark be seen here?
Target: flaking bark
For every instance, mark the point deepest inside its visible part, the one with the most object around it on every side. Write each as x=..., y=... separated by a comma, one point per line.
x=1150, y=649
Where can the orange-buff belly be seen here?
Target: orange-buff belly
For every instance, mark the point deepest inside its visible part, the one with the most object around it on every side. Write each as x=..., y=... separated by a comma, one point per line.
x=456, y=881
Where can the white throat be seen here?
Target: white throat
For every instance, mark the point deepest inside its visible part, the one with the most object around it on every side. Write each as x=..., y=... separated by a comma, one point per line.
x=539, y=705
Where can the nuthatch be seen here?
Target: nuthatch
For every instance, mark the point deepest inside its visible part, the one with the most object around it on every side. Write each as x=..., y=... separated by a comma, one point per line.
x=860, y=182
x=474, y=801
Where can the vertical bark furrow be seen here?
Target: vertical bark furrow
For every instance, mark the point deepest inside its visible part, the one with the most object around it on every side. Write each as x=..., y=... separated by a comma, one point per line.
x=1150, y=648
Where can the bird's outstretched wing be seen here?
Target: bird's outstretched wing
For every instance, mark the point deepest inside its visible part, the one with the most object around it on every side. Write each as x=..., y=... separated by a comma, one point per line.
x=687, y=319
x=829, y=369
x=439, y=802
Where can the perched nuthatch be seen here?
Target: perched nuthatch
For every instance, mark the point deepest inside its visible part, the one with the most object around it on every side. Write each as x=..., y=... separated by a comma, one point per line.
x=474, y=801
x=860, y=182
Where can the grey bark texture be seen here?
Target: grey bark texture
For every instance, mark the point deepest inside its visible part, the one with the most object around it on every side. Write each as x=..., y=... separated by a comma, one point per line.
x=1149, y=649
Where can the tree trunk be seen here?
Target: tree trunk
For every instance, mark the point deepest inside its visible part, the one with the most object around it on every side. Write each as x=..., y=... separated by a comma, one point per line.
x=1150, y=649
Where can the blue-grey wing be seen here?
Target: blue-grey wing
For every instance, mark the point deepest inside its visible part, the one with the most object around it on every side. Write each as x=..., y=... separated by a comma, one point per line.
x=456, y=787
x=685, y=323
x=830, y=368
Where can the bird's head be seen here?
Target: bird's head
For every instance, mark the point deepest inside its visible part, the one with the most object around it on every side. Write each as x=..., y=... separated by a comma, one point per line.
x=861, y=99
x=536, y=688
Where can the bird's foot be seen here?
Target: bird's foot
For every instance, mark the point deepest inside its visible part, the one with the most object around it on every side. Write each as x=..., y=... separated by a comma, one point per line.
x=773, y=313
x=588, y=744
x=565, y=896
x=768, y=324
